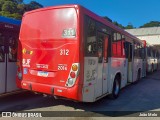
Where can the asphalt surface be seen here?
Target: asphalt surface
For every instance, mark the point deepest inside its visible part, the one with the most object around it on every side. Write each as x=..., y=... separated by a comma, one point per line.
x=143, y=96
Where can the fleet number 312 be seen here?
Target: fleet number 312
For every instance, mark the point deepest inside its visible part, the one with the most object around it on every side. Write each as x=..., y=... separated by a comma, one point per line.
x=64, y=52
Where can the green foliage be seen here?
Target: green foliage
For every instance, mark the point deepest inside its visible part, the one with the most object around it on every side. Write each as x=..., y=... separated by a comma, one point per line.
x=119, y=25
x=1, y=4
x=151, y=24
x=115, y=22
x=129, y=26
x=107, y=18
x=9, y=6
x=16, y=8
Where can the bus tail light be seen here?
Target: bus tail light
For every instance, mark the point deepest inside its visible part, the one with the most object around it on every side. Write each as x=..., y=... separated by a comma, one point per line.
x=72, y=75
x=75, y=68
x=19, y=71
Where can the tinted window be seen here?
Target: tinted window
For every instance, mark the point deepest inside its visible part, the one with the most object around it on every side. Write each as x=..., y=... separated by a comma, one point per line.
x=2, y=55
x=12, y=49
x=90, y=37
x=49, y=24
x=118, y=45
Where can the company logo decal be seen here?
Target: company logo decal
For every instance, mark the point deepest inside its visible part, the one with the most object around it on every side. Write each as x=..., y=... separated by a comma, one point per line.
x=25, y=51
x=26, y=62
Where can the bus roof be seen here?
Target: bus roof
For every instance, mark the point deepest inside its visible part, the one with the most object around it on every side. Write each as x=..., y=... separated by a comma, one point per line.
x=99, y=18
x=114, y=27
x=10, y=20
x=52, y=7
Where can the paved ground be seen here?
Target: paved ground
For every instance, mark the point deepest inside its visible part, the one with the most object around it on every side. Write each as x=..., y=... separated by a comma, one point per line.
x=143, y=96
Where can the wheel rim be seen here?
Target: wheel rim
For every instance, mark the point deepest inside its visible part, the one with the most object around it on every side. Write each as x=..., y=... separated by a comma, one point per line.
x=117, y=88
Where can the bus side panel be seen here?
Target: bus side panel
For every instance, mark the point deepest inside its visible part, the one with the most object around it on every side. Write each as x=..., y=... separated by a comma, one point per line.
x=136, y=66
x=90, y=77
x=117, y=65
x=11, y=83
x=155, y=64
x=150, y=62
x=144, y=68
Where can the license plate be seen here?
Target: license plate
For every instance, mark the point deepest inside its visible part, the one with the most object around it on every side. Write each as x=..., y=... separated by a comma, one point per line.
x=42, y=73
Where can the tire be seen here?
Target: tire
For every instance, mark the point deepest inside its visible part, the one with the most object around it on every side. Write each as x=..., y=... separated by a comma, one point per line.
x=116, y=88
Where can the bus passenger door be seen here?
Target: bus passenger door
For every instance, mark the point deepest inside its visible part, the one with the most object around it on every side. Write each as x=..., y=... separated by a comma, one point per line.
x=101, y=84
x=105, y=65
x=129, y=56
x=144, y=62
x=11, y=63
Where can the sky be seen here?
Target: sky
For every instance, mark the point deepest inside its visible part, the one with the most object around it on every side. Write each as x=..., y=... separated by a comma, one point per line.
x=135, y=12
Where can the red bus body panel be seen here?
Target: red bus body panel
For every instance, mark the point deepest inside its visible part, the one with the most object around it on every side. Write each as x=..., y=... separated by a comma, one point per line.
x=42, y=48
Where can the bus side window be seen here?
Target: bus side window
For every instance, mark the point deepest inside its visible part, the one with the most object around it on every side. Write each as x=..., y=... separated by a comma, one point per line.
x=136, y=48
x=90, y=37
x=117, y=46
x=2, y=54
x=126, y=48
x=12, y=49
x=148, y=52
x=100, y=47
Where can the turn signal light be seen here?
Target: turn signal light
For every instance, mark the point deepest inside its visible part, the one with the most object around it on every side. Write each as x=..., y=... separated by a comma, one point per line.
x=74, y=67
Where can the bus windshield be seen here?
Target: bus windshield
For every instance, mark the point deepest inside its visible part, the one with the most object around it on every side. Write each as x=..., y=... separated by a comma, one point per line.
x=49, y=24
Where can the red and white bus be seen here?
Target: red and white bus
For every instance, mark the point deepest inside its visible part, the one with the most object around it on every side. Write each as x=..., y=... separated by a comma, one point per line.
x=70, y=52
x=9, y=33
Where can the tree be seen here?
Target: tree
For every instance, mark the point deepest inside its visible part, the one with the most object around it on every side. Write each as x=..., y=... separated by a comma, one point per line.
x=129, y=26
x=119, y=25
x=151, y=24
x=115, y=22
x=9, y=6
x=1, y=4
x=16, y=8
x=107, y=18
x=33, y=5
x=19, y=1
x=21, y=8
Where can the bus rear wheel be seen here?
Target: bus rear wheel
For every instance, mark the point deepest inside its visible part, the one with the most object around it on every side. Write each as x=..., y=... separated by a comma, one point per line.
x=116, y=88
